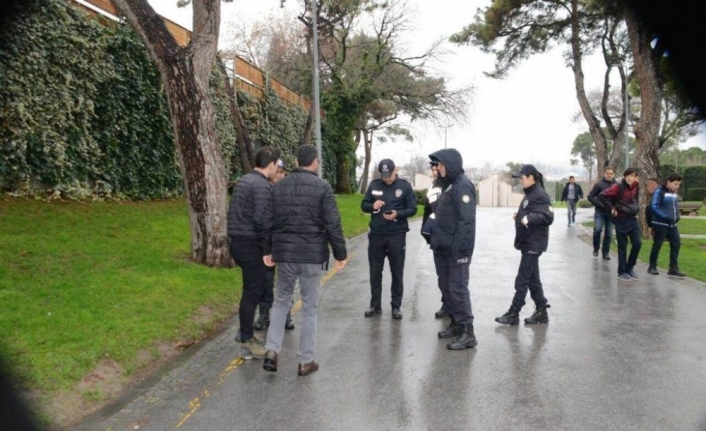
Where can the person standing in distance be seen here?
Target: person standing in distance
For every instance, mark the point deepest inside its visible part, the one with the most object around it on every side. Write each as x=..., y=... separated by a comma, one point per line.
x=622, y=200
x=390, y=201
x=429, y=220
x=248, y=219
x=571, y=194
x=453, y=241
x=532, y=221
x=305, y=222
x=665, y=216
x=601, y=218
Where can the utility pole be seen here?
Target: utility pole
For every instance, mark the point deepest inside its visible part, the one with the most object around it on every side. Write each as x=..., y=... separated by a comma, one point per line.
x=317, y=107
x=446, y=128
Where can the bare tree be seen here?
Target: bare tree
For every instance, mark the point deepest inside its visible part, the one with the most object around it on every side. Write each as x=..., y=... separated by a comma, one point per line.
x=185, y=73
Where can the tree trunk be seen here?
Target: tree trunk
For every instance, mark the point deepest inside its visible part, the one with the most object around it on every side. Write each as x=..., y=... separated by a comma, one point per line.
x=594, y=125
x=241, y=132
x=368, y=146
x=343, y=182
x=185, y=72
x=651, y=89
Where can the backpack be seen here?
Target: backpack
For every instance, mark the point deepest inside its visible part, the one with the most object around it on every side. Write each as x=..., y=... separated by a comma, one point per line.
x=628, y=210
x=648, y=209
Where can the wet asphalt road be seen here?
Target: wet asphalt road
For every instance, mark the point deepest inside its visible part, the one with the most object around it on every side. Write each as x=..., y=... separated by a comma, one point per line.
x=615, y=355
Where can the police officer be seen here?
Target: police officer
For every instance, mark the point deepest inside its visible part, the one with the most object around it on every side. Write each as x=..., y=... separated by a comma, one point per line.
x=429, y=220
x=390, y=200
x=532, y=222
x=452, y=241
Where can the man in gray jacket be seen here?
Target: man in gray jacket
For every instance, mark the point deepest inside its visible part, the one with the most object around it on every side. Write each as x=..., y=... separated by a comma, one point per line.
x=305, y=222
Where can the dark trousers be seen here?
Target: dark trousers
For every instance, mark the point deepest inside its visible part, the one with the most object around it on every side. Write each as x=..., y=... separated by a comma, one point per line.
x=268, y=294
x=660, y=233
x=528, y=279
x=601, y=220
x=248, y=255
x=453, y=281
x=393, y=247
x=627, y=229
x=443, y=300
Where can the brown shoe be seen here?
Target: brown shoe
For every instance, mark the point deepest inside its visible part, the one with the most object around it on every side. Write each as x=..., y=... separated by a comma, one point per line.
x=270, y=363
x=306, y=369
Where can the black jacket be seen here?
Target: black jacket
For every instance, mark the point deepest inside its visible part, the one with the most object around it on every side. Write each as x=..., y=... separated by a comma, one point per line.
x=398, y=196
x=540, y=215
x=305, y=220
x=455, y=229
x=596, y=190
x=577, y=191
x=249, y=211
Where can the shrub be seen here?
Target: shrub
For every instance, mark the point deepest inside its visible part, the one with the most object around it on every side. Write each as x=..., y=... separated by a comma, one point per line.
x=584, y=203
x=696, y=194
x=421, y=196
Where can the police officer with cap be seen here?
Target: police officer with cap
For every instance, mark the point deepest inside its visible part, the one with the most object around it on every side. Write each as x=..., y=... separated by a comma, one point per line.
x=390, y=201
x=453, y=240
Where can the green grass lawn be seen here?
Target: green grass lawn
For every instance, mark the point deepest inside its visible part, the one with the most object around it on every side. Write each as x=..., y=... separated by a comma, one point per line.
x=80, y=282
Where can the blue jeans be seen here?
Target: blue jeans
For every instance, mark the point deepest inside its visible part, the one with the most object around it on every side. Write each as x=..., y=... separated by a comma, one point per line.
x=602, y=220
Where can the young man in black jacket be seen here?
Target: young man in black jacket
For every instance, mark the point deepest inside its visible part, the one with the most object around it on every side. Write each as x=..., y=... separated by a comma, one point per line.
x=305, y=222
x=453, y=240
x=248, y=217
x=601, y=218
x=390, y=201
x=571, y=194
x=429, y=220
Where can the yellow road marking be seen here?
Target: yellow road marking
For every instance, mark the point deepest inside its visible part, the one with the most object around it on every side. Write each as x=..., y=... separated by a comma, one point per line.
x=195, y=404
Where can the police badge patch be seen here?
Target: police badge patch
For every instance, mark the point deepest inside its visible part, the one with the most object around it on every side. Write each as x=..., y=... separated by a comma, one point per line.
x=398, y=193
x=466, y=199
x=525, y=203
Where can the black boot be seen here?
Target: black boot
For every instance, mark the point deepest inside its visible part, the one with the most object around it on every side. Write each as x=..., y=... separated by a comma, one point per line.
x=540, y=315
x=652, y=269
x=674, y=272
x=465, y=340
x=441, y=312
x=512, y=317
x=288, y=324
x=451, y=331
x=263, y=320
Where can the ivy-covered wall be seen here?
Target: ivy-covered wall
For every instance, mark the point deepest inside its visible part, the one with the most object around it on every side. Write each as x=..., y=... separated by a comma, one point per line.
x=83, y=113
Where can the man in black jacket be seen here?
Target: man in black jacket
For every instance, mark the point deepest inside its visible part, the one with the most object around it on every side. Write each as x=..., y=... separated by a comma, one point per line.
x=453, y=241
x=305, y=221
x=571, y=194
x=390, y=200
x=429, y=220
x=248, y=217
x=601, y=218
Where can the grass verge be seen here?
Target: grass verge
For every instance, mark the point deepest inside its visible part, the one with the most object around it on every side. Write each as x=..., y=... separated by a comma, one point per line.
x=86, y=283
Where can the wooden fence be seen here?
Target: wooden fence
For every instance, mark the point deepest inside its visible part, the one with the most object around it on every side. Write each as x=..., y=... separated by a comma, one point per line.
x=247, y=77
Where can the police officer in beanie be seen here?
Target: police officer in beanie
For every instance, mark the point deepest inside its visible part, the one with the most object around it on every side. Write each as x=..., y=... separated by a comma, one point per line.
x=452, y=241
x=429, y=220
x=532, y=222
x=390, y=200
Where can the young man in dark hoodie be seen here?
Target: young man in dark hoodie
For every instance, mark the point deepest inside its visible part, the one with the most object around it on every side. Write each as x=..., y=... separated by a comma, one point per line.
x=452, y=241
x=621, y=200
x=602, y=218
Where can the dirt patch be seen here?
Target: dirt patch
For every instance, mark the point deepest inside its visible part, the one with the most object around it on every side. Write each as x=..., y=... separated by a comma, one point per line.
x=105, y=383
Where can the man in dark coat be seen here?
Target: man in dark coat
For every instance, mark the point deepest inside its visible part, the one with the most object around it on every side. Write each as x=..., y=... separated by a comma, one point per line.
x=305, y=222
x=601, y=218
x=429, y=220
x=453, y=240
x=571, y=194
x=390, y=201
x=248, y=217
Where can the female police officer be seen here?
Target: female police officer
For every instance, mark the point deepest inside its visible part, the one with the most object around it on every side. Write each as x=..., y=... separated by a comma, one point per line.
x=532, y=222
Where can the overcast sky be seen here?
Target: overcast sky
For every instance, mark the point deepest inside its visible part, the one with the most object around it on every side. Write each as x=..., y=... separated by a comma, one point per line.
x=526, y=117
